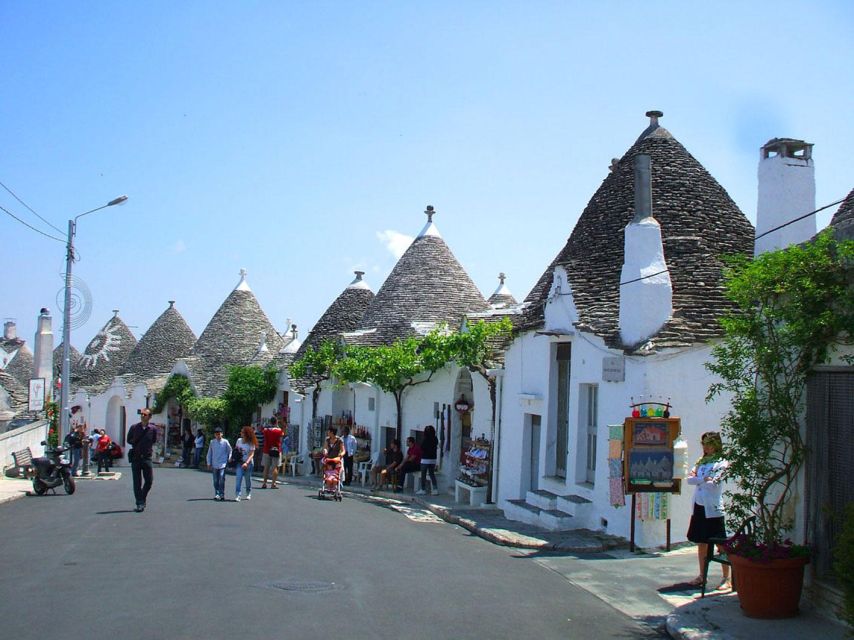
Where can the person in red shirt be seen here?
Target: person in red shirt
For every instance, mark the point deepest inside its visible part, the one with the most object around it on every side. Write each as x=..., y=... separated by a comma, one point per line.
x=103, y=451
x=272, y=452
x=412, y=462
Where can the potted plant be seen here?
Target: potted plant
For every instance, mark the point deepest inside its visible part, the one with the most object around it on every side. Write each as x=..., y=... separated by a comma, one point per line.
x=791, y=308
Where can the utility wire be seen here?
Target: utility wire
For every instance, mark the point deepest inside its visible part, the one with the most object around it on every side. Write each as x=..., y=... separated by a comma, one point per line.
x=47, y=235
x=806, y=215
x=14, y=195
x=651, y=275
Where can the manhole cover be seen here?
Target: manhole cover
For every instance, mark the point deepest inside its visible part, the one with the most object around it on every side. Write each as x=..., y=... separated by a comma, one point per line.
x=303, y=587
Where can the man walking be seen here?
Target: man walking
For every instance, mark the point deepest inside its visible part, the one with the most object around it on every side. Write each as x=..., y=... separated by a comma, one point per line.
x=141, y=437
x=350, y=446
x=272, y=452
x=219, y=452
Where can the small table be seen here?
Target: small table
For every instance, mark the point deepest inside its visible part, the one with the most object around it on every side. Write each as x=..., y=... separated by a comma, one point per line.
x=476, y=495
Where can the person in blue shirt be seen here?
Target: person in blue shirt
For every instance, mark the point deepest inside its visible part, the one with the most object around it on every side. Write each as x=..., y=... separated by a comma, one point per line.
x=219, y=452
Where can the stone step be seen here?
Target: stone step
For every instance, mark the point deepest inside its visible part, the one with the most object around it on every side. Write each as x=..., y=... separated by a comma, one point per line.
x=521, y=511
x=542, y=499
x=555, y=520
x=577, y=506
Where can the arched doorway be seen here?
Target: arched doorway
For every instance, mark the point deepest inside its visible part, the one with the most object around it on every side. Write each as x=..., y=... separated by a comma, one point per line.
x=116, y=420
x=461, y=422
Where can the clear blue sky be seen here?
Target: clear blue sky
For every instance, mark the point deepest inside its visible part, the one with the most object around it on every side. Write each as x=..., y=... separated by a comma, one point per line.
x=298, y=139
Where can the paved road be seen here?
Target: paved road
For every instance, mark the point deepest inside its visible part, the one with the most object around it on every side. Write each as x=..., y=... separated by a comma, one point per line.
x=284, y=565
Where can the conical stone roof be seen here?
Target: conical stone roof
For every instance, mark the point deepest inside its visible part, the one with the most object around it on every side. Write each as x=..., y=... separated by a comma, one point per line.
x=74, y=357
x=105, y=356
x=167, y=339
x=21, y=366
x=843, y=219
x=501, y=298
x=427, y=286
x=232, y=337
x=699, y=221
x=343, y=315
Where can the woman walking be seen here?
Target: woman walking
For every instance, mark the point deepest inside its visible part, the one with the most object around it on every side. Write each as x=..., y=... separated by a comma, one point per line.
x=707, y=520
x=429, y=446
x=247, y=443
x=200, y=445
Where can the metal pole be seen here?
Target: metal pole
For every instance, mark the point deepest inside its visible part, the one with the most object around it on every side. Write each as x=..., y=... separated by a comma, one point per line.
x=64, y=409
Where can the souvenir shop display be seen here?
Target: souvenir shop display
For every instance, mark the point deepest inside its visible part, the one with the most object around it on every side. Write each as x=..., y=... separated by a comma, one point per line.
x=474, y=469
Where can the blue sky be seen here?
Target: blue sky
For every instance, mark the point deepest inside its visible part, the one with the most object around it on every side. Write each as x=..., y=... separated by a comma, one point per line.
x=303, y=140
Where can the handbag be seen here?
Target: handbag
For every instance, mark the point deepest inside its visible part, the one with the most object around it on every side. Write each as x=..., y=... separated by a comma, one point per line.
x=236, y=457
x=274, y=452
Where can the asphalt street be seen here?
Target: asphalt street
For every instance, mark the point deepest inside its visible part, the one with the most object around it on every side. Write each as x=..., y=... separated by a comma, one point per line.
x=284, y=565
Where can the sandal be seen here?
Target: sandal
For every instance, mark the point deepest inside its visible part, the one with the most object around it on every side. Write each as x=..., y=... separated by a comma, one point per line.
x=725, y=585
x=263, y=486
x=696, y=582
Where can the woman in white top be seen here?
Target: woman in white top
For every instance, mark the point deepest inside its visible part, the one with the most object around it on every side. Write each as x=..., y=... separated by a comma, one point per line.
x=707, y=520
x=247, y=442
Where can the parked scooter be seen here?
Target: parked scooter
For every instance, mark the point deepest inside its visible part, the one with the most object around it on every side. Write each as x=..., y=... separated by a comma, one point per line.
x=51, y=471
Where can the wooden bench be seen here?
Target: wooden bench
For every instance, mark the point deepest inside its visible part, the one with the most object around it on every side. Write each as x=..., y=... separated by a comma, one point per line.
x=23, y=461
x=746, y=529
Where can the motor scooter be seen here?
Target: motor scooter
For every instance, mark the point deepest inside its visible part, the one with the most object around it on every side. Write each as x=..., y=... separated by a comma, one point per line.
x=52, y=470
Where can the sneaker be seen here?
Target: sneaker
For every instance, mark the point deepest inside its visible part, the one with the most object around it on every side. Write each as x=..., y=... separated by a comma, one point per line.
x=421, y=492
x=248, y=496
x=237, y=498
x=434, y=492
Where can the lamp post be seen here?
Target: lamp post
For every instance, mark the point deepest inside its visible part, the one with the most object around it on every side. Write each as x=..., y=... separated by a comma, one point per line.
x=66, y=318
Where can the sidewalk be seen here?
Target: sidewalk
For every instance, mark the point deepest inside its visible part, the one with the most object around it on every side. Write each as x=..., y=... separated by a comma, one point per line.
x=14, y=488
x=648, y=586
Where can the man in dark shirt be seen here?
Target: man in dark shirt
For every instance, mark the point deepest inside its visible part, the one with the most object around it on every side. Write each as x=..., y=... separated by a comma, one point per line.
x=141, y=437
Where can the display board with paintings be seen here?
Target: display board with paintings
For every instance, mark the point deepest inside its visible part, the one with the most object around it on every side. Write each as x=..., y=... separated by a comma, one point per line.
x=648, y=454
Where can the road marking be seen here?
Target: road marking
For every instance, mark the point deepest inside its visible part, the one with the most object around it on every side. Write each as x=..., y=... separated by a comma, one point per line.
x=416, y=515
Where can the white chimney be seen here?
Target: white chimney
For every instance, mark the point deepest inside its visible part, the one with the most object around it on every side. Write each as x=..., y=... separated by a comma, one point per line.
x=646, y=293
x=786, y=191
x=10, y=331
x=43, y=357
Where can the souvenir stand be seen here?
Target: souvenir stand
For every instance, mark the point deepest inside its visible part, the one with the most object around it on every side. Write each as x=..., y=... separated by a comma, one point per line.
x=649, y=472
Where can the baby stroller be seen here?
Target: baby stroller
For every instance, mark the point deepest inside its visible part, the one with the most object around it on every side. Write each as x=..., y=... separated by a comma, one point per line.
x=332, y=473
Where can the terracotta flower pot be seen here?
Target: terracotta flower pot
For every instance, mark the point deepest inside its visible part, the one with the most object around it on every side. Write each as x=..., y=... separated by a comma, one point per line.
x=769, y=589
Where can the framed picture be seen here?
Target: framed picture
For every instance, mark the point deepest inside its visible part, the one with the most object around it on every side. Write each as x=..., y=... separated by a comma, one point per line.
x=36, y=399
x=650, y=434
x=651, y=466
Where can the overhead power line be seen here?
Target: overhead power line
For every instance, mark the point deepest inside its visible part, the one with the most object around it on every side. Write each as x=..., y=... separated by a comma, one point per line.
x=46, y=235
x=806, y=215
x=14, y=195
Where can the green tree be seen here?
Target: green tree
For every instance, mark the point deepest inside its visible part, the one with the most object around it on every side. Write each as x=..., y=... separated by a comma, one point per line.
x=178, y=387
x=396, y=367
x=792, y=308
x=248, y=388
x=210, y=412
x=316, y=366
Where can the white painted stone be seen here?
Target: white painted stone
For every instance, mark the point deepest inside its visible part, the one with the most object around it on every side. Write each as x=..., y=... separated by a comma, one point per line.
x=647, y=303
x=560, y=312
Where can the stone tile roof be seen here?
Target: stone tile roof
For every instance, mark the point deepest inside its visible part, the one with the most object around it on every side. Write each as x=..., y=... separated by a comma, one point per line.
x=427, y=285
x=699, y=223
x=21, y=366
x=843, y=219
x=501, y=298
x=167, y=339
x=105, y=356
x=18, y=392
x=232, y=337
x=74, y=357
x=343, y=315
x=498, y=344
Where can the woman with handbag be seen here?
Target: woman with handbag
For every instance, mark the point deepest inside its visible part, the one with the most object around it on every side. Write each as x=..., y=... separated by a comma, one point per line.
x=246, y=445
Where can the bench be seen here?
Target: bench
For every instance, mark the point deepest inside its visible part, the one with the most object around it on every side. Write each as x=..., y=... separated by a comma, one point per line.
x=23, y=461
x=746, y=529
x=476, y=495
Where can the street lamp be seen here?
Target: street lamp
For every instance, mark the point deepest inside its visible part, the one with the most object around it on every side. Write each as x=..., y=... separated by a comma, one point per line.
x=66, y=318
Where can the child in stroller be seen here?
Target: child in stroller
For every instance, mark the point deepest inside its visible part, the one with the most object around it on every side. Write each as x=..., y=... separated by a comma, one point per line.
x=332, y=466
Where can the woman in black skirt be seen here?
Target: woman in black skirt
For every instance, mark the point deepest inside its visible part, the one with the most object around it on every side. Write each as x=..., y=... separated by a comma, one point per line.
x=707, y=520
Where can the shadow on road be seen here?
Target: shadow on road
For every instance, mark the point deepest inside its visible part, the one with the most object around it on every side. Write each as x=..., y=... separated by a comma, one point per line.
x=108, y=513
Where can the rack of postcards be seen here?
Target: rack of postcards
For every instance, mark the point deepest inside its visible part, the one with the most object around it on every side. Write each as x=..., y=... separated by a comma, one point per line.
x=474, y=466
x=363, y=443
